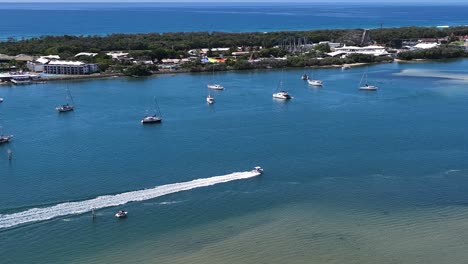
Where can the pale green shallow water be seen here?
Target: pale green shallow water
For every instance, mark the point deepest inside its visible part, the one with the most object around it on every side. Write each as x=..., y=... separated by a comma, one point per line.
x=350, y=177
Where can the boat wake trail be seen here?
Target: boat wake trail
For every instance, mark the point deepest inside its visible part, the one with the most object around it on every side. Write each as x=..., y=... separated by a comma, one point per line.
x=79, y=207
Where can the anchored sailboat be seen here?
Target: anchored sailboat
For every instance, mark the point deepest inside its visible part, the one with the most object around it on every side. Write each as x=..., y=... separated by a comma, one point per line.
x=213, y=85
x=155, y=118
x=315, y=82
x=69, y=106
x=366, y=87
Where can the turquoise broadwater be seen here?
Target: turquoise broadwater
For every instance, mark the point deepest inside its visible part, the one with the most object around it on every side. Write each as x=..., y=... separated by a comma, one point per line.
x=350, y=176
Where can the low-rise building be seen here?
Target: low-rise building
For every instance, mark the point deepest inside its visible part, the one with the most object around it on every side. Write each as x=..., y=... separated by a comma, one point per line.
x=69, y=67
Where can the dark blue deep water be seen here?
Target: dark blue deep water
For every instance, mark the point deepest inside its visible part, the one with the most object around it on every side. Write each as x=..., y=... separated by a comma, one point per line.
x=35, y=19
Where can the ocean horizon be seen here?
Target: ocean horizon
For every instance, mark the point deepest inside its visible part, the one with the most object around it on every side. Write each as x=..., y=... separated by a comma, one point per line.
x=20, y=20
x=350, y=176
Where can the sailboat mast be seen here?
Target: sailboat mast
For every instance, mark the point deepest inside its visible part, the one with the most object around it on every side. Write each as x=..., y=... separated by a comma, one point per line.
x=157, y=107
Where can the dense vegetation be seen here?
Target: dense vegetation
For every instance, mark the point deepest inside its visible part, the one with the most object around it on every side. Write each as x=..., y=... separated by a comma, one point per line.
x=442, y=52
x=172, y=45
x=154, y=46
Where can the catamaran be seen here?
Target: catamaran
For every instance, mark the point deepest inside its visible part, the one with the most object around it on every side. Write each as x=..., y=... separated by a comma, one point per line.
x=366, y=87
x=69, y=106
x=155, y=118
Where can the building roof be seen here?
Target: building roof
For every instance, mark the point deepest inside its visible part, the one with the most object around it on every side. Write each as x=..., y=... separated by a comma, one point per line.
x=425, y=45
x=69, y=63
x=89, y=54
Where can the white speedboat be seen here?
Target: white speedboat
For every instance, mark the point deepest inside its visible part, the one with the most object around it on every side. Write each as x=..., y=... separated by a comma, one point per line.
x=315, y=82
x=215, y=86
x=5, y=138
x=151, y=119
x=304, y=77
x=210, y=99
x=121, y=214
x=258, y=169
x=282, y=95
x=368, y=87
x=64, y=108
x=1, y=99
x=345, y=67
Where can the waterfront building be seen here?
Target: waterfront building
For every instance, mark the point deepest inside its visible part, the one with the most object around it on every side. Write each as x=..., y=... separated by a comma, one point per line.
x=69, y=67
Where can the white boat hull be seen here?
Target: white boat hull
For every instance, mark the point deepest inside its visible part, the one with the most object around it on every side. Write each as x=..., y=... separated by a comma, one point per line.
x=368, y=88
x=215, y=86
x=315, y=82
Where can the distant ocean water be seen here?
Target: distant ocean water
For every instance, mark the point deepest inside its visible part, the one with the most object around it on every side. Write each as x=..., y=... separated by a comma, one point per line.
x=36, y=19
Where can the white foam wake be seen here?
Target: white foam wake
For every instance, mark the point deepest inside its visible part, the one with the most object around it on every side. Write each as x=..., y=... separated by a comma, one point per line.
x=68, y=208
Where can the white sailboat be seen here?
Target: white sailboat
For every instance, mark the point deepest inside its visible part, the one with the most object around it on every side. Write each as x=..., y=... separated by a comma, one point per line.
x=366, y=86
x=69, y=106
x=213, y=85
x=315, y=82
x=155, y=118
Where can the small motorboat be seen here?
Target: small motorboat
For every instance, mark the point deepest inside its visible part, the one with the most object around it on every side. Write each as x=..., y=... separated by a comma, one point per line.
x=258, y=169
x=121, y=214
x=304, y=77
x=1, y=99
x=282, y=95
x=345, y=67
x=151, y=119
x=315, y=82
x=5, y=138
x=215, y=86
x=64, y=108
x=368, y=87
x=210, y=99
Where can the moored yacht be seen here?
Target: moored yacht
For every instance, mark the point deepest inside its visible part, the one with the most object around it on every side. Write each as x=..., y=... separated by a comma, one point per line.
x=64, y=108
x=315, y=82
x=210, y=99
x=366, y=87
x=151, y=119
x=68, y=106
x=282, y=95
x=5, y=138
x=155, y=118
x=215, y=86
